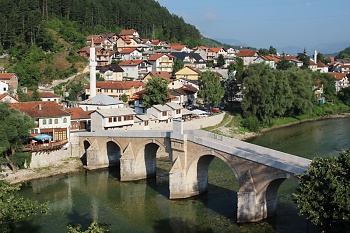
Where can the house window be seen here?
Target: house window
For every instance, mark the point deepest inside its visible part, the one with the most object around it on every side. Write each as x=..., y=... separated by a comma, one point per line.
x=64, y=120
x=44, y=122
x=114, y=119
x=178, y=111
x=110, y=119
x=50, y=121
x=56, y=121
x=146, y=123
x=164, y=113
x=128, y=118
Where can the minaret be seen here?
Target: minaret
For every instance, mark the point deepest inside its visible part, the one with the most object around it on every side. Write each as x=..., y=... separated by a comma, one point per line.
x=92, y=65
x=315, y=56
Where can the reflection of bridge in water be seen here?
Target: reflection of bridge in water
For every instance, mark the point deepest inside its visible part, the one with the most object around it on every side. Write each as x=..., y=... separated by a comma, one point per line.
x=259, y=171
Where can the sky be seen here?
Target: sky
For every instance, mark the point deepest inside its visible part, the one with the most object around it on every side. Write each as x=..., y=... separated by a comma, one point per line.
x=309, y=24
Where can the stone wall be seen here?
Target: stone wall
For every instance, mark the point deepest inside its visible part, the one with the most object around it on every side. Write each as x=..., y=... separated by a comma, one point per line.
x=50, y=158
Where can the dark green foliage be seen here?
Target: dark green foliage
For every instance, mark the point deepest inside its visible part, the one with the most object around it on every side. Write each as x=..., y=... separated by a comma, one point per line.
x=93, y=228
x=157, y=91
x=324, y=194
x=221, y=61
x=251, y=123
x=210, y=89
x=272, y=93
x=283, y=63
x=305, y=59
x=344, y=95
x=14, y=130
x=14, y=208
x=344, y=54
x=263, y=52
x=125, y=98
x=178, y=65
x=272, y=50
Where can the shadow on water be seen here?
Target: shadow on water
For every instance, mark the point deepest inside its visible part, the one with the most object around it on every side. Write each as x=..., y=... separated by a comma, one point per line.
x=177, y=225
x=27, y=227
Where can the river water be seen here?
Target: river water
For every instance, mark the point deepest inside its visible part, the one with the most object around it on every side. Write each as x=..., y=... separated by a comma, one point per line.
x=144, y=206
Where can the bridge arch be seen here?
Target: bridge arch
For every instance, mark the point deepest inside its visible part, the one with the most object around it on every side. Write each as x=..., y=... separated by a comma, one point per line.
x=86, y=144
x=113, y=152
x=197, y=173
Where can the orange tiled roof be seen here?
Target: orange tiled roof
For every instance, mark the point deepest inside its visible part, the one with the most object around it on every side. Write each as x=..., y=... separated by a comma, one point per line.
x=161, y=74
x=78, y=113
x=128, y=50
x=41, y=109
x=6, y=76
x=337, y=76
x=312, y=63
x=157, y=56
x=45, y=94
x=131, y=63
x=120, y=85
x=127, y=32
x=246, y=53
x=268, y=58
x=178, y=47
x=215, y=50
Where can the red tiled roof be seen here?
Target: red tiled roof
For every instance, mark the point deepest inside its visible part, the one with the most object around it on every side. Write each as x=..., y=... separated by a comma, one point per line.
x=155, y=42
x=268, y=58
x=120, y=85
x=45, y=94
x=6, y=76
x=246, y=53
x=157, y=56
x=160, y=74
x=200, y=47
x=312, y=63
x=78, y=113
x=128, y=50
x=337, y=76
x=90, y=37
x=178, y=47
x=2, y=96
x=41, y=109
x=291, y=58
x=127, y=32
x=215, y=50
x=131, y=62
x=99, y=40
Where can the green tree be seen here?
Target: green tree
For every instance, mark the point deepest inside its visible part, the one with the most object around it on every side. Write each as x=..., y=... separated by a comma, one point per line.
x=14, y=208
x=210, y=64
x=283, y=63
x=221, y=61
x=93, y=228
x=36, y=95
x=210, y=88
x=239, y=67
x=178, y=65
x=344, y=54
x=324, y=194
x=305, y=59
x=14, y=128
x=263, y=52
x=272, y=50
x=125, y=98
x=230, y=84
x=344, y=95
x=157, y=91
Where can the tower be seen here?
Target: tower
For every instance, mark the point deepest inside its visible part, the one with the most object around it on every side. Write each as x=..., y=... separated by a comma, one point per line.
x=92, y=64
x=315, y=56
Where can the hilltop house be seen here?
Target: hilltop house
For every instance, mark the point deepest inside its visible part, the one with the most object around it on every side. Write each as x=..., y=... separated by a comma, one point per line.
x=135, y=69
x=112, y=72
x=190, y=59
x=130, y=54
x=188, y=73
x=160, y=74
x=80, y=119
x=248, y=56
x=105, y=119
x=11, y=79
x=341, y=80
x=5, y=97
x=101, y=101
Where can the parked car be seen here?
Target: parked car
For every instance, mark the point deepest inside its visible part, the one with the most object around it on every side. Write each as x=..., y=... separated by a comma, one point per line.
x=215, y=110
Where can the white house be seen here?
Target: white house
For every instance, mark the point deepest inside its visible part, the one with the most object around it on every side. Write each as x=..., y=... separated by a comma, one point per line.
x=131, y=54
x=341, y=80
x=176, y=110
x=115, y=118
x=4, y=87
x=162, y=112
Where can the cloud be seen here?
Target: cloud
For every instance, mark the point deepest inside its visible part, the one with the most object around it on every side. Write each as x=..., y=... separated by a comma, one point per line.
x=210, y=16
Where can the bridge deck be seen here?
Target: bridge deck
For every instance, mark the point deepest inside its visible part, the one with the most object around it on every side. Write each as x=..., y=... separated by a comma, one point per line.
x=269, y=157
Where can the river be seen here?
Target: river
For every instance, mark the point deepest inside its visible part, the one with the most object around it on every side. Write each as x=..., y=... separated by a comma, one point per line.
x=143, y=206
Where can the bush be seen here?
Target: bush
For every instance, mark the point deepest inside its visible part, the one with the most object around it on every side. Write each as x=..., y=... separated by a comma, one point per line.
x=251, y=123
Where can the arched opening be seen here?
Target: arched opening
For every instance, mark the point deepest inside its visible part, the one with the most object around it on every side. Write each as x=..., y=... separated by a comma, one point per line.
x=83, y=158
x=113, y=153
x=150, y=156
x=218, y=182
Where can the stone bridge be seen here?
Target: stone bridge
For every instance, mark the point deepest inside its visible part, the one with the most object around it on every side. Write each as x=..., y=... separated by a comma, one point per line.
x=259, y=171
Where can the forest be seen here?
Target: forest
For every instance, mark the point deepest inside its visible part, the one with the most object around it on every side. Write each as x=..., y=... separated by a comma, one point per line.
x=42, y=36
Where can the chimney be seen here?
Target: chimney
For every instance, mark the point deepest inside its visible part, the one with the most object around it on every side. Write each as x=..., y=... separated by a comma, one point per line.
x=40, y=108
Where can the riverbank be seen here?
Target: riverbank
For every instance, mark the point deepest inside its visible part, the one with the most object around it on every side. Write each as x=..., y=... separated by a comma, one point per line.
x=65, y=166
x=230, y=130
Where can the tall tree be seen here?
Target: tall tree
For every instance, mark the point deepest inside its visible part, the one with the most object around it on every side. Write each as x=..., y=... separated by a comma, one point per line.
x=305, y=59
x=14, y=208
x=14, y=128
x=157, y=91
x=283, y=63
x=272, y=50
x=221, y=61
x=263, y=52
x=230, y=84
x=210, y=88
x=178, y=65
x=324, y=194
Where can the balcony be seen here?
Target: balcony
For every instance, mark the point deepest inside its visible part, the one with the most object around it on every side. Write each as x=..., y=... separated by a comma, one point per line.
x=45, y=147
